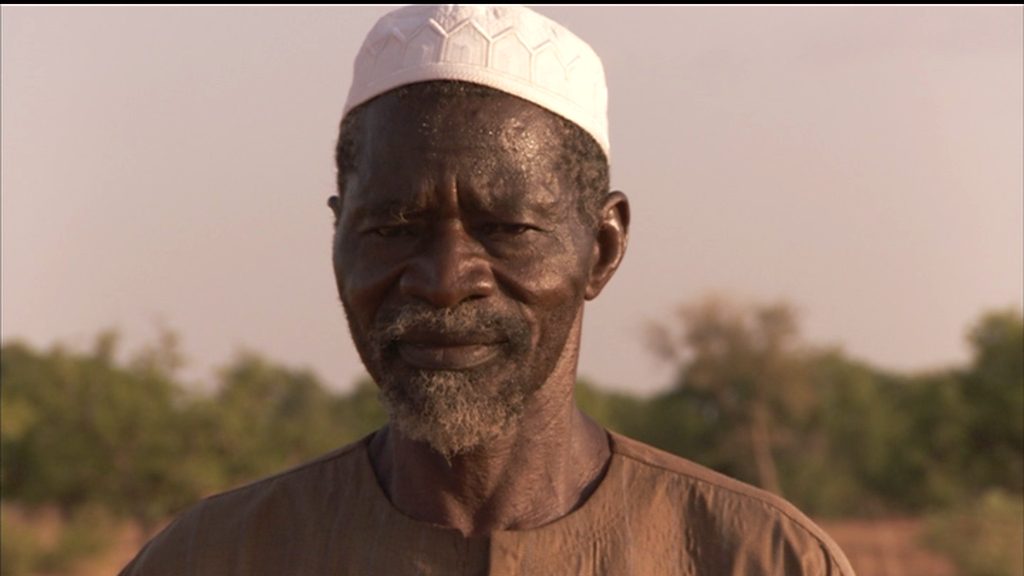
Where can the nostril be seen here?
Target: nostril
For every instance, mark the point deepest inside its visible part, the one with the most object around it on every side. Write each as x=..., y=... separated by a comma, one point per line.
x=450, y=269
x=445, y=285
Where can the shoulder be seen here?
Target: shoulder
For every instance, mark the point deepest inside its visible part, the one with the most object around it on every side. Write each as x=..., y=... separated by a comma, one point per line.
x=733, y=517
x=247, y=521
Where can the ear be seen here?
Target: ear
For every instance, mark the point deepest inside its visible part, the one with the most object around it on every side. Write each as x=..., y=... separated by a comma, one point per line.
x=335, y=203
x=610, y=242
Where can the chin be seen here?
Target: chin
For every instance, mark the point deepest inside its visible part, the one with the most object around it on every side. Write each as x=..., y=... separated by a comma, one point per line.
x=453, y=411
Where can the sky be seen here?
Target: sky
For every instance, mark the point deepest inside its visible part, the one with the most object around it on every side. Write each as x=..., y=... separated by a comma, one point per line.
x=168, y=167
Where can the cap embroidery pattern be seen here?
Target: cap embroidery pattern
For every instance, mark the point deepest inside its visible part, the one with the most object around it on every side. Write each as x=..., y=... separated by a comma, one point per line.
x=510, y=48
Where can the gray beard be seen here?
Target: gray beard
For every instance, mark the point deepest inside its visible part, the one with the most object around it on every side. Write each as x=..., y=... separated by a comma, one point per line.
x=454, y=412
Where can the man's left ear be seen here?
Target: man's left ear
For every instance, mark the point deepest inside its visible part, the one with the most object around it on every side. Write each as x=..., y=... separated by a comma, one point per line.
x=610, y=243
x=334, y=202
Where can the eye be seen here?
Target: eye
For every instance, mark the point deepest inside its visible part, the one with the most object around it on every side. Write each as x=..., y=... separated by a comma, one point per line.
x=393, y=231
x=501, y=229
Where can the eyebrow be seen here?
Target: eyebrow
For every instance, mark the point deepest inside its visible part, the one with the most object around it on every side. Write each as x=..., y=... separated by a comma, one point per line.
x=387, y=209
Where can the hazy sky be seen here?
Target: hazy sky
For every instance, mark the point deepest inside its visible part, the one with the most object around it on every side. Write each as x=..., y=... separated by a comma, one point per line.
x=171, y=165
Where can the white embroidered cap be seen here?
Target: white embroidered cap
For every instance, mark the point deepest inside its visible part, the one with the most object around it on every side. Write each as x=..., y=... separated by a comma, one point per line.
x=509, y=48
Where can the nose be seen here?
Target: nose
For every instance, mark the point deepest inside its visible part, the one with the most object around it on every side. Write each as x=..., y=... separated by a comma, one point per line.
x=451, y=268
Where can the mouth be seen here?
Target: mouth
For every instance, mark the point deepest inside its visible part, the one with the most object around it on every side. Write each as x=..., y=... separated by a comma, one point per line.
x=446, y=352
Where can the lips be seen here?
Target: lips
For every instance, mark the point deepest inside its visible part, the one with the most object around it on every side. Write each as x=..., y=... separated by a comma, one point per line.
x=447, y=352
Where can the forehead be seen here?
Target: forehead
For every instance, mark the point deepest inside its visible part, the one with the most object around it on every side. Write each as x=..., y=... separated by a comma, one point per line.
x=457, y=120
x=435, y=111
x=487, y=142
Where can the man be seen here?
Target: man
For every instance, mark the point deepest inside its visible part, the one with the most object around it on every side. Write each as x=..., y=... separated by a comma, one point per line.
x=473, y=220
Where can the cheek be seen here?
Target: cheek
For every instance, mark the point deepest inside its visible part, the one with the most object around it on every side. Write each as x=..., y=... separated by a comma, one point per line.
x=363, y=281
x=549, y=285
x=548, y=274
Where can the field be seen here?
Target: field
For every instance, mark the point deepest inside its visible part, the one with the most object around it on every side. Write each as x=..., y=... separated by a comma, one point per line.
x=888, y=547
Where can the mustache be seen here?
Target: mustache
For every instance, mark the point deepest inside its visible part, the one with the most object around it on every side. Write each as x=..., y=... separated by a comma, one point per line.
x=467, y=320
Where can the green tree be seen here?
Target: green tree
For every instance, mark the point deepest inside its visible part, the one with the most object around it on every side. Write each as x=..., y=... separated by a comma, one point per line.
x=616, y=411
x=844, y=466
x=748, y=362
x=85, y=430
x=993, y=391
x=265, y=416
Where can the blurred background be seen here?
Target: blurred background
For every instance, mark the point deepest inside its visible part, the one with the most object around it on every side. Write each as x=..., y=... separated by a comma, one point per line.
x=822, y=294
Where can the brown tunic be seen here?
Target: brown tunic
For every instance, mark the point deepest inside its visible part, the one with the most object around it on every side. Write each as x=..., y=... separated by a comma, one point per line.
x=653, y=513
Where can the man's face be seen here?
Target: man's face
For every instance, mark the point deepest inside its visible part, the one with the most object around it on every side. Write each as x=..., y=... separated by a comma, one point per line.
x=461, y=261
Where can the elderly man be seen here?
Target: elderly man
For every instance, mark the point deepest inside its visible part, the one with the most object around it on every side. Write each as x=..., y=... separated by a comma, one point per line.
x=473, y=220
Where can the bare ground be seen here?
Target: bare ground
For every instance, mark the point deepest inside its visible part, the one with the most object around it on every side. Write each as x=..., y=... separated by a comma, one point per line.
x=888, y=547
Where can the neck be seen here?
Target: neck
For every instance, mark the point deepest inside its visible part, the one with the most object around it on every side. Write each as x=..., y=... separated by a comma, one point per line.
x=542, y=470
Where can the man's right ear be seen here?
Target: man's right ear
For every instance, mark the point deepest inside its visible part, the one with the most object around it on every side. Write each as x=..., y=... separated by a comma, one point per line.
x=335, y=203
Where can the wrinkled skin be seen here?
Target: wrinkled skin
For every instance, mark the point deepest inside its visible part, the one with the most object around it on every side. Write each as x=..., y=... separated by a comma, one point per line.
x=463, y=264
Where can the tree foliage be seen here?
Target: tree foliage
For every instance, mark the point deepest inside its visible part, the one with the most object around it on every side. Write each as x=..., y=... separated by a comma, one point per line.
x=746, y=361
x=844, y=437
x=81, y=429
x=84, y=430
x=994, y=398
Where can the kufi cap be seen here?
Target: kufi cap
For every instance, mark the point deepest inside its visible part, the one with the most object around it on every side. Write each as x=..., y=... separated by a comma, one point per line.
x=509, y=48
